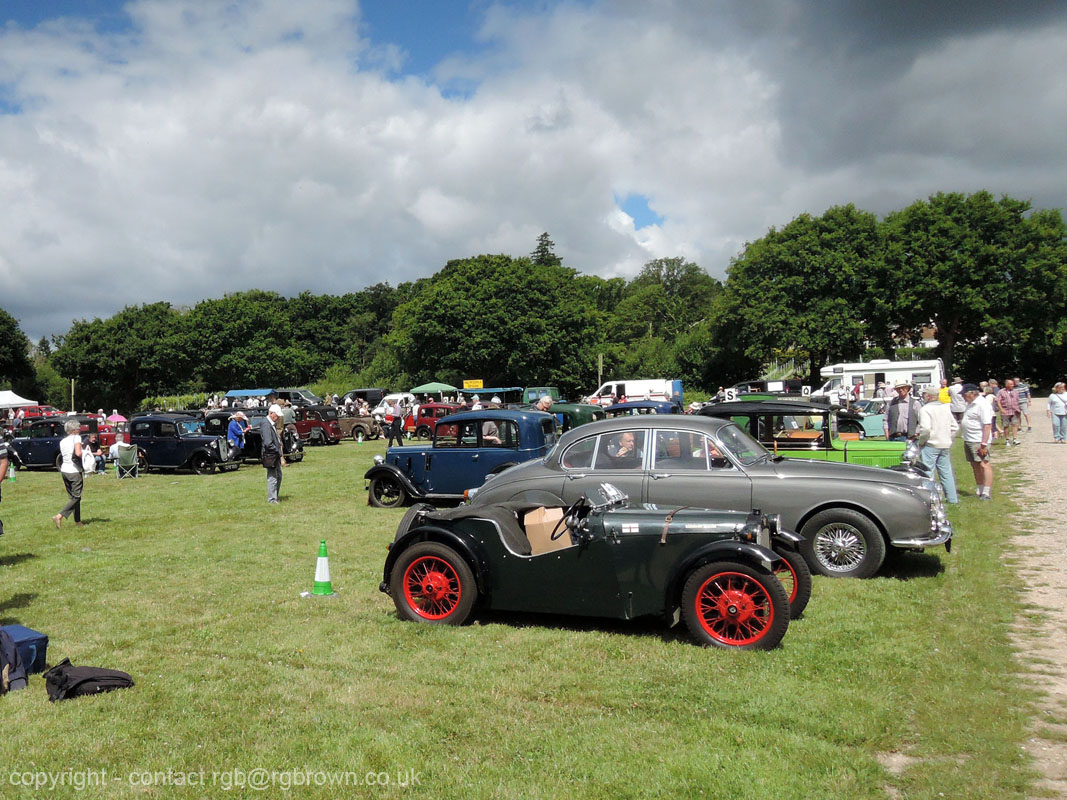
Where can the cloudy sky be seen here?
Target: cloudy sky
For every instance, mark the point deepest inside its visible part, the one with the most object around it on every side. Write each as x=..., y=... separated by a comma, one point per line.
x=181, y=149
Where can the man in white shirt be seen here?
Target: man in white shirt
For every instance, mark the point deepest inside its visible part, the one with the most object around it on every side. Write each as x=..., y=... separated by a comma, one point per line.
x=937, y=427
x=977, y=427
x=956, y=401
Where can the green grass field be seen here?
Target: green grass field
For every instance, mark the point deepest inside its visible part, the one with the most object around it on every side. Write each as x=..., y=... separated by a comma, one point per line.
x=900, y=686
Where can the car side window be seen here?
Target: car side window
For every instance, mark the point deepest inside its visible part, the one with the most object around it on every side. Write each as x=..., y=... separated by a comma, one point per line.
x=681, y=450
x=40, y=431
x=502, y=433
x=622, y=450
x=141, y=429
x=464, y=434
x=580, y=454
x=167, y=429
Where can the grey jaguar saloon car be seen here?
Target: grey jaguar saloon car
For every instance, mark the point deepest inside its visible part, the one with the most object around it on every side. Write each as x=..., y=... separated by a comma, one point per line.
x=849, y=514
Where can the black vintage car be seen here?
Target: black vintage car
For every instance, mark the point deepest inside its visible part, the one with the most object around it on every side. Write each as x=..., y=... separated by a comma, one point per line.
x=217, y=423
x=594, y=558
x=176, y=441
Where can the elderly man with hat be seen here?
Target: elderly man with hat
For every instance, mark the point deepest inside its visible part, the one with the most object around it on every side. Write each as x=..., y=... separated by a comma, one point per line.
x=977, y=427
x=937, y=427
x=901, y=414
x=272, y=453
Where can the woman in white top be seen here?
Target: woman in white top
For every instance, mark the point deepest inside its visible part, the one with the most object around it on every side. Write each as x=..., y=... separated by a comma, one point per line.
x=1057, y=410
x=71, y=472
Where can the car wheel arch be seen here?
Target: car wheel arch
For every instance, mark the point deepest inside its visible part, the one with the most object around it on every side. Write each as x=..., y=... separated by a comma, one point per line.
x=378, y=470
x=833, y=506
x=743, y=552
x=465, y=547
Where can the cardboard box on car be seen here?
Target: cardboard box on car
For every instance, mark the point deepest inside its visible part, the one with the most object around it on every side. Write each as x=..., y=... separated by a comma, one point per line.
x=539, y=525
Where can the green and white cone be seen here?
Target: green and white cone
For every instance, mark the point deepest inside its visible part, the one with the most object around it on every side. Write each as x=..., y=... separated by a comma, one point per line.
x=322, y=586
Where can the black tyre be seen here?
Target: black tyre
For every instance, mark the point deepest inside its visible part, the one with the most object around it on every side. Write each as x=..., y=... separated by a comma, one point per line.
x=316, y=438
x=202, y=464
x=142, y=460
x=59, y=462
x=730, y=605
x=423, y=432
x=432, y=583
x=386, y=492
x=793, y=573
x=409, y=518
x=842, y=543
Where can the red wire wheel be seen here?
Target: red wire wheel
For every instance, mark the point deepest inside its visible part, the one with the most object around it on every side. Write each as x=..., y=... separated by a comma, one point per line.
x=795, y=576
x=432, y=583
x=731, y=605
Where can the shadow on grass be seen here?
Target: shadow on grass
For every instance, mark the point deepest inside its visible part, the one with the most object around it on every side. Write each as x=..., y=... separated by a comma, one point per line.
x=649, y=627
x=15, y=558
x=95, y=520
x=905, y=566
x=21, y=600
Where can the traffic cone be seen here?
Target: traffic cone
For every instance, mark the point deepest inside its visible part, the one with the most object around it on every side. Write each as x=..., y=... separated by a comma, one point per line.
x=322, y=586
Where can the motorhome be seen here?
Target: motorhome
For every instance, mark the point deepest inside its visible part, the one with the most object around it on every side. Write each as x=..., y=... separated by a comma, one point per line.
x=919, y=374
x=623, y=391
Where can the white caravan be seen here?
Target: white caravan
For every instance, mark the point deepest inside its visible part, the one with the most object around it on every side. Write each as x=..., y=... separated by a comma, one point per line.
x=919, y=374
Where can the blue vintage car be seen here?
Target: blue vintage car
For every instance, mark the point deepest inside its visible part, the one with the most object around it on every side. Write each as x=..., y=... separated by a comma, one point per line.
x=637, y=407
x=466, y=448
x=174, y=441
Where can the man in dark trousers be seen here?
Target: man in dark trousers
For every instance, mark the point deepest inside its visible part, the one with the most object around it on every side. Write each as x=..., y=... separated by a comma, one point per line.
x=396, y=428
x=272, y=451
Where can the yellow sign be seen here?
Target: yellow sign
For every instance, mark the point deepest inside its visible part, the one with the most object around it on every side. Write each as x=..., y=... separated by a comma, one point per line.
x=473, y=385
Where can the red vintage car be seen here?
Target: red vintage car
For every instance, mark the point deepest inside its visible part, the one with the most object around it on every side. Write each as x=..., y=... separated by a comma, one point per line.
x=31, y=412
x=421, y=425
x=317, y=424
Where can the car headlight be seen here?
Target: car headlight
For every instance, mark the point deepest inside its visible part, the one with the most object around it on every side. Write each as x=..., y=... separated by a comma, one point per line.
x=379, y=460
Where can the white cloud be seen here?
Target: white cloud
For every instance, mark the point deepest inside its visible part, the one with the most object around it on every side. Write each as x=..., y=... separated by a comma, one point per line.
x=221, y=146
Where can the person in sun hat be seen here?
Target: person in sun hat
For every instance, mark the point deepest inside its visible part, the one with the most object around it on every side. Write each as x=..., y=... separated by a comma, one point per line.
x=901, y=414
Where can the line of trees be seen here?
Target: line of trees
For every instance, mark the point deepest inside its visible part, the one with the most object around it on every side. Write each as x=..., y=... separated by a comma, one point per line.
x=990, y=275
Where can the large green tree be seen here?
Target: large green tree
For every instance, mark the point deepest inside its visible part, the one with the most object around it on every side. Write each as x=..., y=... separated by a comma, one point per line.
x=117, y=361
x=982, y=271
x=501, y=319
x=803, y=288
x=15, y=368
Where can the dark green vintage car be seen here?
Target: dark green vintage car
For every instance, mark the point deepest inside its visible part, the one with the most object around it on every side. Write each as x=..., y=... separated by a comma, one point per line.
x=600, y=559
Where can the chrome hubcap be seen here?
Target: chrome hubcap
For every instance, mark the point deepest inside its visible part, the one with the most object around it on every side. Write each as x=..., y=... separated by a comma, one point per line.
x=839, y=547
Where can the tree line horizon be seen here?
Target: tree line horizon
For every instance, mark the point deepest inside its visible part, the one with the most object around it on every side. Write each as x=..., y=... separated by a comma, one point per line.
x=990, y=275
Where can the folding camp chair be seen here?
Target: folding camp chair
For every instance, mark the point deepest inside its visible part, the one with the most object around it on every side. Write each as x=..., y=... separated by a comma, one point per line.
x=126, y=465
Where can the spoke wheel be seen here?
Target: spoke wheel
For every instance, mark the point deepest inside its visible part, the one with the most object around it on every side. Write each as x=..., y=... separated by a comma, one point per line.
x=432, y=583
x=730, y=605
x=793, y=573
x=386, y=492
x=202, y=465
x=841, y=543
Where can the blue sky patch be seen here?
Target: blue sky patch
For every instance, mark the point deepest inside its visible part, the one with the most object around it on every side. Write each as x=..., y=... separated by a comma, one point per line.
x=636, y=205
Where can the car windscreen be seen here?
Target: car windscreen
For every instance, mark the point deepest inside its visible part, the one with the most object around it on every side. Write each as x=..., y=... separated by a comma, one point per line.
x=328, y=413
x=191, y=426
x=741, y=446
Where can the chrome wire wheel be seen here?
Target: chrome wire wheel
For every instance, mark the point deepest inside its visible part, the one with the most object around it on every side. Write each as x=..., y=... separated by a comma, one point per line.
x=840, y=547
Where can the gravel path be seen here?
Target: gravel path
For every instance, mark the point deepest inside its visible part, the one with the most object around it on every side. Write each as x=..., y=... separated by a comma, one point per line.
x=1041, y=640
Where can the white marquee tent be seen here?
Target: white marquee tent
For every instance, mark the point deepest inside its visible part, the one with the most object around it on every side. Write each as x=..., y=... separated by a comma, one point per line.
x=12, y=400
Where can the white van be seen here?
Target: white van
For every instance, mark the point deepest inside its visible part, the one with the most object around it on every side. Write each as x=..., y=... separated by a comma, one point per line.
x=919, y=374
x=623, y=391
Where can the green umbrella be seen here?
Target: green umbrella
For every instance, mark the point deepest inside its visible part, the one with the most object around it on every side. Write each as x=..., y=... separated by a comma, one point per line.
x=433, y=388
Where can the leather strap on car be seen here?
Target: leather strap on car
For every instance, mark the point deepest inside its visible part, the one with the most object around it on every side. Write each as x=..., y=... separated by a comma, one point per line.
x=667, y=524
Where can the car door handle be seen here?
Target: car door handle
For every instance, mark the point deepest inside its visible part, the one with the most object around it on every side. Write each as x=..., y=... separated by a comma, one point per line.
x=474, y=457
x=575, y=476
x=657, y=475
